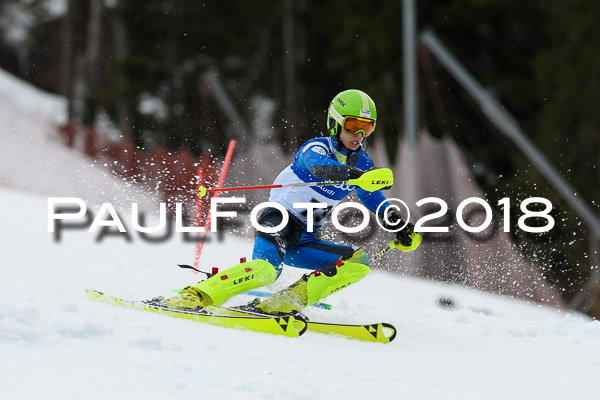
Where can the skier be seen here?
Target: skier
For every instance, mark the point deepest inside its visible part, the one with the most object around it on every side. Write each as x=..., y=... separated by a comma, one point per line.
x=339, y=157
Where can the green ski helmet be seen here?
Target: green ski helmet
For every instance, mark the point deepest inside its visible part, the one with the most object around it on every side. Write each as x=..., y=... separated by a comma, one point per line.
x=351, y=103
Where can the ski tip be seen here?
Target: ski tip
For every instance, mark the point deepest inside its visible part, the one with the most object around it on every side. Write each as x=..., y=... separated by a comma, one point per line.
x=388, y=331
x=297, y=325
x=94, y=293
x=381, y=332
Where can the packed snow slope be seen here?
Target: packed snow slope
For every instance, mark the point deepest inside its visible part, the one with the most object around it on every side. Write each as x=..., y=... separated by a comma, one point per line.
x=33, y=158
x=56, y=344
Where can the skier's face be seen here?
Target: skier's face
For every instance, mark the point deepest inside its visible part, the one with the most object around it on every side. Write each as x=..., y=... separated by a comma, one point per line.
x=351, y=142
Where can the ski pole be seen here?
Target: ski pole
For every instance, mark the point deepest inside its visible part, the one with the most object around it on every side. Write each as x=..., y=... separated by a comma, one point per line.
x=393, y=245
x=383, y=251
x=370, y=180
x=202, y=191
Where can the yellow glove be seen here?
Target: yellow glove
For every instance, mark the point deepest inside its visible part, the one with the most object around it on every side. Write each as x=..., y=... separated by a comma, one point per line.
x=374, y=179
x=416, y=241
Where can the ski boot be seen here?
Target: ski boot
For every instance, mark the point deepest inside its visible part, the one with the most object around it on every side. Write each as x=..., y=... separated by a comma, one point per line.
x=189, y=299
x=314, y=286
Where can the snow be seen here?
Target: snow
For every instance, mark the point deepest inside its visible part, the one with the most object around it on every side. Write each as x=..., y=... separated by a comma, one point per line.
x=56, y=344
x=69, y=347
x=33, y=158
x=32, y=100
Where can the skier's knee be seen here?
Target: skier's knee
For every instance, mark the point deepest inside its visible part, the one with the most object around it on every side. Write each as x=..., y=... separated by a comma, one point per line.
x=358, y=261
x=355, y=269
x=265, y=250
x=333, y=278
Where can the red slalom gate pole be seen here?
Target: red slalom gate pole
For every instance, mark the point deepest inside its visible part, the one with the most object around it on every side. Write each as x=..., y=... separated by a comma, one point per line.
x=202, y=235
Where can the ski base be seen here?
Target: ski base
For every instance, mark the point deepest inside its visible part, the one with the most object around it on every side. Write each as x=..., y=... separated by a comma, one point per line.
x=289, y=325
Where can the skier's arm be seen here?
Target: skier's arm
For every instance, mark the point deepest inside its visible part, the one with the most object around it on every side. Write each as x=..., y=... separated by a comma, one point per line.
x=335, y=172
x=372, y=200
x=324, y=168
x=406, y=239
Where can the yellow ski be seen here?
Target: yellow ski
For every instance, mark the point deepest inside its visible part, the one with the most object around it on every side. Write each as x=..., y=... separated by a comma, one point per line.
x=381, y=332
x=290, y=325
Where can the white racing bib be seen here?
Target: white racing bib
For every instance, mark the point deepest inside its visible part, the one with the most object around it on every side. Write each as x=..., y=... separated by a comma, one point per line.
x=303, y=194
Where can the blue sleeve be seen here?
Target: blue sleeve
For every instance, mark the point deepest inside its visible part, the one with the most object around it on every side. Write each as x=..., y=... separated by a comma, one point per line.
x=372, y=200
x=309, y=158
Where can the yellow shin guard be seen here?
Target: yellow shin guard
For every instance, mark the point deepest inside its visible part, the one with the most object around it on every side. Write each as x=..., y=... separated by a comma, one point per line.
x=237, y=279
x=333, y=278
x=314, y=286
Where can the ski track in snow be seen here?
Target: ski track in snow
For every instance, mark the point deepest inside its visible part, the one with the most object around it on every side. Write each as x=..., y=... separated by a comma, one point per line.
x=55, y=344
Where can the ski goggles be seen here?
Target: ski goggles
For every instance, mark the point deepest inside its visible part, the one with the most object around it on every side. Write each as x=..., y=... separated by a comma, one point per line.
x=355, y=125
